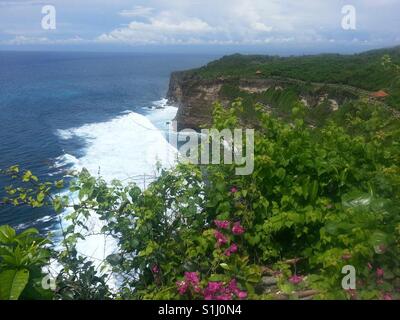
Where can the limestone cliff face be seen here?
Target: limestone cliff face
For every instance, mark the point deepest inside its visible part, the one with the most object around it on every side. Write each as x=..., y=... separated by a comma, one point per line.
x=194, y=96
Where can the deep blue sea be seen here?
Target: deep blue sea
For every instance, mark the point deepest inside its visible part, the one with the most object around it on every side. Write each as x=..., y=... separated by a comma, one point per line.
x=72, y=110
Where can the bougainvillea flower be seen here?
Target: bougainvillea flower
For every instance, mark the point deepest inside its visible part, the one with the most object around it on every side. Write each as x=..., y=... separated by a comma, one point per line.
x=233, y=286
x=221, y=239
x=237, y=229
x=295, y=279
x=182, y=287
x=155, y=269
x=387, y=296
x=212, y=289
x=379, y=272
x=379, y=282
x=232, y=249
x=234, y=190
x=352, y=293
x=222, y=224
x=217, y=291
x=192, y=278
x=346, y=256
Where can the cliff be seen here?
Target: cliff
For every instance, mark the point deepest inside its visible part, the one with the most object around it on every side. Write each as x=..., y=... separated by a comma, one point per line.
x=322, y=82
x=194, y=96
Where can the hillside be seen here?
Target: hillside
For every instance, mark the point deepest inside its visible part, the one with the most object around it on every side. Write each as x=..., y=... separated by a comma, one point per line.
x=322, y=82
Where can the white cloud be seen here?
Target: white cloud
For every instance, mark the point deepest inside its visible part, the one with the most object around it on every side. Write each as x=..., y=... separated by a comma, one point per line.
x=233, y=21
x=24, y=40
x=138, y=11
x=259, y=26
x=205, y=21
x=165, y=28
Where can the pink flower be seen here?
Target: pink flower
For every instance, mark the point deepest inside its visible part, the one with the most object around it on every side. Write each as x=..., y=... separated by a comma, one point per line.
x=369, y=266
x=222, y=224
x=232, y=249
x=182, y=287
x=237, y=229
x=295, y=279
x=233, y=288
x=155, y=269
x=197, y=289
x=346, y=256
x=387, y=296
x=379, y=272
x=224, y=297
x=192, y=278
x=234, y=190
x=221, y=239
x=352, y=293
x=217, y=291
x=212, y=289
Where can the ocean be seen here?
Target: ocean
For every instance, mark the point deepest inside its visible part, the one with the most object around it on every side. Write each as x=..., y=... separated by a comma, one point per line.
x=102, y=111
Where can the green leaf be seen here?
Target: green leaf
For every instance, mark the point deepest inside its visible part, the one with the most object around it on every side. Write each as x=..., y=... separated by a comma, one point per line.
x=224, y=266
x=40, y=197
x=27, y=176
x=7, y=234
x=281, y=173
x=27, y=233
x=59, y=184
x=220, y=186
x=314, y=190
x=57, y=205
x=12, y=283
x=217, y=277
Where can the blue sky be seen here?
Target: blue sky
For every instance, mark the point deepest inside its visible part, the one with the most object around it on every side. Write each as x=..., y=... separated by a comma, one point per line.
x=274, y=26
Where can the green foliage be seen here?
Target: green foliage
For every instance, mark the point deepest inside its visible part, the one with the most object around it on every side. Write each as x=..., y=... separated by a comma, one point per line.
x=322, y=197
x=13, y=282
x=22, y=257
x=362, y=71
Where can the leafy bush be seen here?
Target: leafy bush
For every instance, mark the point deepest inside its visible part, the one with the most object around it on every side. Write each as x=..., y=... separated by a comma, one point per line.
x=319, y=199
x=22, y=257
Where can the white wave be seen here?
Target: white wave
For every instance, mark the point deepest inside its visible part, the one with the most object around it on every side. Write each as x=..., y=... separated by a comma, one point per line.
x=124, y=148
x=66, y=160
x=24, y=226
x=160, y=117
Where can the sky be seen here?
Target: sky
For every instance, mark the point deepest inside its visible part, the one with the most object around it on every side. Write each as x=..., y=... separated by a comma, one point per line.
x=273, y=26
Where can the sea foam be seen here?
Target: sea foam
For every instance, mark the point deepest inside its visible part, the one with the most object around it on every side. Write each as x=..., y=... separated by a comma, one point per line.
x=127, y=148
